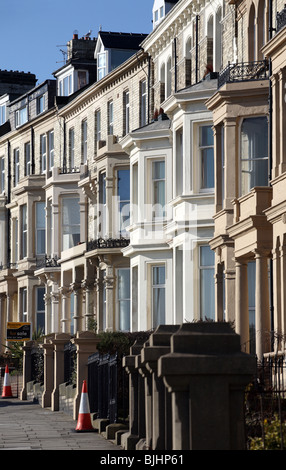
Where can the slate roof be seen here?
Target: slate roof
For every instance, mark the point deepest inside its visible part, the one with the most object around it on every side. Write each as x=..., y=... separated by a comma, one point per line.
x=113, y=40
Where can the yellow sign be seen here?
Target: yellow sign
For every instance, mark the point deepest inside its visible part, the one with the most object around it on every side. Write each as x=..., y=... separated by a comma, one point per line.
x=17, y=331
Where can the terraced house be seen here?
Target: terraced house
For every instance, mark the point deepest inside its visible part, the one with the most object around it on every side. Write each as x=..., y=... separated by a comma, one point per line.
x=144, y=184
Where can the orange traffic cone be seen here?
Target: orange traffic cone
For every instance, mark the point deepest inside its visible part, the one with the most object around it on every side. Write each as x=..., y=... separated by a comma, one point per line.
x=7, y=391
x=84, y=419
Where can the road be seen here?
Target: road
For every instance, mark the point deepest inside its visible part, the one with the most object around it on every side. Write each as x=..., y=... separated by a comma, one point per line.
x=25, y=425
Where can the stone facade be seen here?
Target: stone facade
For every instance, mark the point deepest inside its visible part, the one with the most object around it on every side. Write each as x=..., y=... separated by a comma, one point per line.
x=173, y=123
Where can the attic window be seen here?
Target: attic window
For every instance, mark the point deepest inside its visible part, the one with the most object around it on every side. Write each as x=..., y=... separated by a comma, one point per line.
x=101, y=65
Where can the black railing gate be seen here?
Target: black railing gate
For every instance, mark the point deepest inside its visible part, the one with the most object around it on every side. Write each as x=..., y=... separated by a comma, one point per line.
x=107, y=387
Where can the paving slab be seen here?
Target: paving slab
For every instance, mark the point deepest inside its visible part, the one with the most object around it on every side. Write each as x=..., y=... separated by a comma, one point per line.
x=25, y=425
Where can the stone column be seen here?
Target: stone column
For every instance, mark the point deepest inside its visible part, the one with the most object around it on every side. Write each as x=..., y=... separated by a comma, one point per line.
x=65, y=320
x=207, y=375
x=86, y=344
x=229, y=148
x=48, y=372
x=159, y=345
x=282, y=288
x=276, y=126
x=77, y=307
x=279, y=326
x=55, y=308
x=88, y=287
x=241, y=304
x=262, y=307
x=2, y=323
x=136, y=399
x=58, y=343
x=282, y=116
x=146, y=420
x=27, y=367
x=109, y=282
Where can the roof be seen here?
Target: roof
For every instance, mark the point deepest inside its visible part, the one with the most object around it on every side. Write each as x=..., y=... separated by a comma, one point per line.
x=129, y=41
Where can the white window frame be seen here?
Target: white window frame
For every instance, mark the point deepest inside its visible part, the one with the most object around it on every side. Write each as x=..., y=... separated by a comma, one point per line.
x=201, y=148
x=154, y=287
x=39, y=229
x=123, y=299
x=162, y=211
x=21, y=116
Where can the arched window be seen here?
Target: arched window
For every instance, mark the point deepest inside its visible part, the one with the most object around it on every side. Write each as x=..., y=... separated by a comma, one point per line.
x=210, y=33
x=252, y=35
x=218, y=42
x=169, y=78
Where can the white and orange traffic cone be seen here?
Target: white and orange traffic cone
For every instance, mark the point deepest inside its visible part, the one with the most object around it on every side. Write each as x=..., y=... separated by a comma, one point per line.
x=84, y=419
x=7, y=390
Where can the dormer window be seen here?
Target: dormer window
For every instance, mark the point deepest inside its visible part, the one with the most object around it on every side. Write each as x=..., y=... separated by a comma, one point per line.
x=21, y=116
x=2, y=114
x=41, y=104
x=65, y=86
x=101, y=65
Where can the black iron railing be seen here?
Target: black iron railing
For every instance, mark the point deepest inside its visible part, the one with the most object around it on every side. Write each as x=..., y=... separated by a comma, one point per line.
x=107, y=387
x=47, y=262
x=281, y=19
x=266, y=405
x=101, y=243
x=244, y=71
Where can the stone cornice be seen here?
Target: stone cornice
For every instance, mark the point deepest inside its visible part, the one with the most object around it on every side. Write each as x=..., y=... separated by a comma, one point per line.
x=182, y=13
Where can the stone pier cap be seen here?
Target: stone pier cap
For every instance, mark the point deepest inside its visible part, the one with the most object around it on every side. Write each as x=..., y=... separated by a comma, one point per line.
x=206, y=348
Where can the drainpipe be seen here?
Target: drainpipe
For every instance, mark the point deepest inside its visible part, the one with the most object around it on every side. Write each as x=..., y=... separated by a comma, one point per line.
x=8, y=201
x=270, y=127
x=149, y=83
x=197, y=46
x=175, y=54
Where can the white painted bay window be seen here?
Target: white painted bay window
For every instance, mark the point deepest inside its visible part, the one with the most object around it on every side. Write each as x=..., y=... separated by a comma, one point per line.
x=43, y=152
x=207, y=291
x=206, y=152
x=158, y=295
x=123, y=194
x=158, y=189
x=123, y=298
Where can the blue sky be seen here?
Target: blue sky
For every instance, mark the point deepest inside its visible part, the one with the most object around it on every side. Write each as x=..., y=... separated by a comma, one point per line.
x=33, y=31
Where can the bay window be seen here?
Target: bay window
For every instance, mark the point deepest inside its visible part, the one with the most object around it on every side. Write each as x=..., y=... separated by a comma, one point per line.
x=158, y=188
x=40, y=228
x=70, y=222
x=206, y=273
x=206, y=152
x=123, y=194
x=24, y=230
x=123, y=298
x=158, y=295
x=102, y=205
x=253, y=153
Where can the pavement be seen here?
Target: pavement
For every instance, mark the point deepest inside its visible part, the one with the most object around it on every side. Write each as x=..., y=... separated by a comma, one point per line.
x=25, y=425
